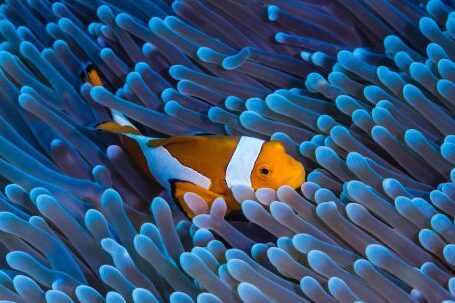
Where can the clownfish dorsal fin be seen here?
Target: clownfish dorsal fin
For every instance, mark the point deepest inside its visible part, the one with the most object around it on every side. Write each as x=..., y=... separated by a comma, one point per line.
x=171, y=140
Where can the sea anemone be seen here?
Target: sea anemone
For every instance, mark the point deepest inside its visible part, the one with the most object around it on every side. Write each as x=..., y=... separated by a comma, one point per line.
x=362, y=92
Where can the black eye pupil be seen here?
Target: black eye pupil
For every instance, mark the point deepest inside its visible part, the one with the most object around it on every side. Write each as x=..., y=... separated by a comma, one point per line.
x=264, y=171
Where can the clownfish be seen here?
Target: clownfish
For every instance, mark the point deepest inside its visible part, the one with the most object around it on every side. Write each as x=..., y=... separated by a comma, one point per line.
x=207, y=165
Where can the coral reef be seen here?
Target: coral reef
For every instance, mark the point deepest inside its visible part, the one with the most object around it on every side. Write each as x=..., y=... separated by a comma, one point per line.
x=361, y=91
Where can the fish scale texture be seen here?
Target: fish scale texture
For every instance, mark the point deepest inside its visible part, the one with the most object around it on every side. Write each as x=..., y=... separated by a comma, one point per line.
x=362, y=92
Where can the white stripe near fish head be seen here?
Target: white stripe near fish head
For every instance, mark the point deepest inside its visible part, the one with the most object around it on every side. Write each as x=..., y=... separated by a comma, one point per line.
x=240, y=167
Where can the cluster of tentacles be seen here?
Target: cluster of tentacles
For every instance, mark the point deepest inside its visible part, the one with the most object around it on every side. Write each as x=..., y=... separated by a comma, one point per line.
x=361, y=91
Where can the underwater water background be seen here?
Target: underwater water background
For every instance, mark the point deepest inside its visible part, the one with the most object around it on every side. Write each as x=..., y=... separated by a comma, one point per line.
x=361, y=91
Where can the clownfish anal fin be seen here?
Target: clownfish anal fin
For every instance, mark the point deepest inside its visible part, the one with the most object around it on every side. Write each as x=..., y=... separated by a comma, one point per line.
x=171, y=140
x=179, y=188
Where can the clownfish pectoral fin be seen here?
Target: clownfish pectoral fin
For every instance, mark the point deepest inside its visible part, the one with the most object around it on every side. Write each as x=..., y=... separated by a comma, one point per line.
x=179, y=189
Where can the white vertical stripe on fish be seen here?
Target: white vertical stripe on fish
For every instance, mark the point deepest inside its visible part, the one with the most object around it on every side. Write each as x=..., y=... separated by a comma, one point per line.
x=165, y=167
x=239, y=169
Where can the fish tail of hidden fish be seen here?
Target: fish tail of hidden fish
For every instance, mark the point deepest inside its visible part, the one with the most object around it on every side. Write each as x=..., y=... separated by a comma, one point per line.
x=90, y=74
x=120, y=123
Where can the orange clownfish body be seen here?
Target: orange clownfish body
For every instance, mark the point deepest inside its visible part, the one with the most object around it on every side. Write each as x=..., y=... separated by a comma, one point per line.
x=208, y=166
x=211, y=165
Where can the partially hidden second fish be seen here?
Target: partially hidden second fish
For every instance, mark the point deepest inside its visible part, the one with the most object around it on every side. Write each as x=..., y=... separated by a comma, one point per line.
x=208, y=165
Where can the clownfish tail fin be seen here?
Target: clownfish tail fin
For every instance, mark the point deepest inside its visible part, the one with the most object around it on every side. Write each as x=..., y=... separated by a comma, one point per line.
x=120, y=123
x=90, y=75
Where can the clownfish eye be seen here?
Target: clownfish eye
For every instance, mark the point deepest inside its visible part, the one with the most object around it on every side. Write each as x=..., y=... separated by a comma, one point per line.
x=264, y=171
